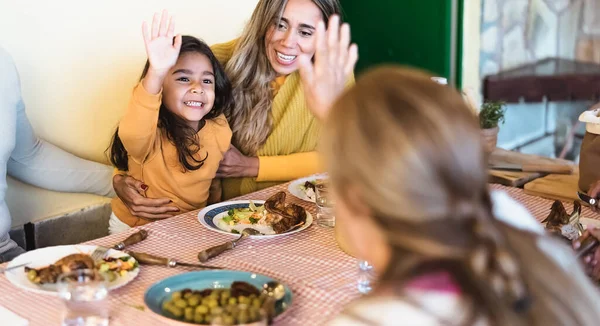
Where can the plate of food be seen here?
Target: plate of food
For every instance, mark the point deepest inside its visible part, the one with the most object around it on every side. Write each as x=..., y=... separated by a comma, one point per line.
x=202, y=297
x=45, y=265
x=304, y=188
x=273, y=217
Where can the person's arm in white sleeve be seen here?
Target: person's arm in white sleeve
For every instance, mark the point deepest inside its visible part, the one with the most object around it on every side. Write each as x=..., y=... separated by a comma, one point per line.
x=44, y=165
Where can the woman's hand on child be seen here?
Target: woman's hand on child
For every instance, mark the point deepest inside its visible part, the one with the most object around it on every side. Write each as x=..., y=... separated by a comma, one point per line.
x=131, y=191
x=162, y=50
x=334, y=63
x=237, y=165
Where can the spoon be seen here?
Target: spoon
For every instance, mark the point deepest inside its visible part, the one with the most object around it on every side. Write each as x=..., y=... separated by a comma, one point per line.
x=212, y=252
x=273, y=292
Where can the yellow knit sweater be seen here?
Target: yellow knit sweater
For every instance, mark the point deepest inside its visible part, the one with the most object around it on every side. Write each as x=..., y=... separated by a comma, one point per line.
x=289, y=151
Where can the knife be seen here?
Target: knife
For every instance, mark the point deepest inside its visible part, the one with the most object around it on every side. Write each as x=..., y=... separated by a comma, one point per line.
x=147, y=259
x=542, y=168
x=587, y=199
x=2, y=270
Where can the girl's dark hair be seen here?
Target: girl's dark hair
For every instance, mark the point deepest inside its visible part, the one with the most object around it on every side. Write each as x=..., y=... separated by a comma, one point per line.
x=178, y=132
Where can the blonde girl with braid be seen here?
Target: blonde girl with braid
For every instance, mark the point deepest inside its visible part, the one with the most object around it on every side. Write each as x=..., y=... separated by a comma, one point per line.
x=409, y=175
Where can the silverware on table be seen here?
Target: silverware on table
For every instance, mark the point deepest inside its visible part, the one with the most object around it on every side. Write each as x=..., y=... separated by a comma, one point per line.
x=212, y=252
x=273, y=292
x=3, y=270
x=148, y=259
x=101, y=251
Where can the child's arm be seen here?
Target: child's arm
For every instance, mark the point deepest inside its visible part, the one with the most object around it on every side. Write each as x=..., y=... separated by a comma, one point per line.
x=137, y=128
x=215, y=192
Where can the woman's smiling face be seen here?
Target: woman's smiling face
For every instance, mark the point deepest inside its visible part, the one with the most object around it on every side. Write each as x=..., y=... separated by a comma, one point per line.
x=292, y=36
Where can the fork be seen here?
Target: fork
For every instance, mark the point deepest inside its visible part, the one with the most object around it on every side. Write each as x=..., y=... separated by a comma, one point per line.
x=101, y=251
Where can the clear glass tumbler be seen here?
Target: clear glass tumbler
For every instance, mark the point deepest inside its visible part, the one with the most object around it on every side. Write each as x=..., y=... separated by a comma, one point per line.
x=325, y=204
x=84, y=293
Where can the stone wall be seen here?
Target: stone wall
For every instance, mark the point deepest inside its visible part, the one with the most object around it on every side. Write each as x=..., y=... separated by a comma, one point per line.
x=516, y=32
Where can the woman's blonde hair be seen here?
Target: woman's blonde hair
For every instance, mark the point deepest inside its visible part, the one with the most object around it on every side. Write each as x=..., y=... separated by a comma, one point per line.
x=413, y=149
x=251, y=75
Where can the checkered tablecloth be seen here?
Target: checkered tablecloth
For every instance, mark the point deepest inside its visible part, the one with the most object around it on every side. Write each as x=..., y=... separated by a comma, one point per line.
x=321, y=277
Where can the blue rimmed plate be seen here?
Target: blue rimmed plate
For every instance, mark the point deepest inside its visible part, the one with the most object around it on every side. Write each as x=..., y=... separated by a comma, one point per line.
x=161, y=291
x=212, y=216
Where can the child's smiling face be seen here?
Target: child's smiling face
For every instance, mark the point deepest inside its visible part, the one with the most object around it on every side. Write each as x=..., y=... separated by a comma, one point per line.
x=189, y=88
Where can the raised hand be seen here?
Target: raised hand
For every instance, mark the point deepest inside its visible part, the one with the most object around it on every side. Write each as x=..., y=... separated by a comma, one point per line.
x=334, y=62
x=162, y=50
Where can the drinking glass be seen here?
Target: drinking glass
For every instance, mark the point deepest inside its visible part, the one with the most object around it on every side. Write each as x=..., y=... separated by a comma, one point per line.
x=325, y=204
x=84, y=293
x=365, y=276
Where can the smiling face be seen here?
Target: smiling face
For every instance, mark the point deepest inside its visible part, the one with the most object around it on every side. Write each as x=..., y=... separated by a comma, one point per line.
x=189, y=89
x=292, y=36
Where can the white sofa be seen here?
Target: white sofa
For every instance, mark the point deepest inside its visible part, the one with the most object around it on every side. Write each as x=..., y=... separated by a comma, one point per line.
x=43, y=218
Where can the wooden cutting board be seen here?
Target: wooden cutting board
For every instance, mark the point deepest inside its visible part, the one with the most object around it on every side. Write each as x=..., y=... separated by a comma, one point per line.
x=518, y=179
x=555, y=186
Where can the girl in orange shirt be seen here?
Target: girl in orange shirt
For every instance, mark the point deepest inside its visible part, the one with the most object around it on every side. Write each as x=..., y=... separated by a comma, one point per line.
x=173, y=134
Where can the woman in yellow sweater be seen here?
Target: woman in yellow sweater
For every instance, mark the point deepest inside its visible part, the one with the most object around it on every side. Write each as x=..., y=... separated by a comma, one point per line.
x=274, y=133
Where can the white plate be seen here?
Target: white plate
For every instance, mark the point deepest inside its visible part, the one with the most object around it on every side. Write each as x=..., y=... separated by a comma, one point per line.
x=45, y=256
x=296, y=187
x=211, y=216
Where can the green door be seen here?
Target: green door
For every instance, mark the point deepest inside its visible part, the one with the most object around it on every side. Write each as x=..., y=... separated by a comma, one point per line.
x=420, y=33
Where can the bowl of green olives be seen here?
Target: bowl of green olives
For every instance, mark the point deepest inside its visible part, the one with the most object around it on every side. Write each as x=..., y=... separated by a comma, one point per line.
x=214, y=298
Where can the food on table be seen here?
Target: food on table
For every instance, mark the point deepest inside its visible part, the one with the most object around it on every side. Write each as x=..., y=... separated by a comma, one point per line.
x=110, y=268
x=275, y=213
x=281, y=216
x=560, y=223
x=309, y=188
x=239, y=304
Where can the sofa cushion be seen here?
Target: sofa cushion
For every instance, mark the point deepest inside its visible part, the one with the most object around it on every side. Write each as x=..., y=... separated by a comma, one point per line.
x=27, y=203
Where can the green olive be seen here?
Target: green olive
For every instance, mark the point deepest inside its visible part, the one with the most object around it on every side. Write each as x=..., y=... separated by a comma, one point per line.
x=243, y=299
x=176, y=311
x=253, y=314
x=189, y=314
x=212, y=303
x=176, y=295
x=208, y=319
x=256, y=303
x=31, y=275
x=243, y=317
x=166, y=304
x=202, y=309
x=223, y=301
x=216, y=311
x=231, y=308
x=194, y=300
x=228, y=320
x=198, y=318
x=226, y=294
x=205, y=301
x=181, y=303
x=233, y=301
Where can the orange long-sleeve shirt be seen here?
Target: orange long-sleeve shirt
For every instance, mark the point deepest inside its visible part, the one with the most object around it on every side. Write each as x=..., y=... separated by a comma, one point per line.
x=153, y=158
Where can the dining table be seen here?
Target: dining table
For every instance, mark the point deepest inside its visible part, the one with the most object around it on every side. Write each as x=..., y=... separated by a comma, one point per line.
x=322, y=277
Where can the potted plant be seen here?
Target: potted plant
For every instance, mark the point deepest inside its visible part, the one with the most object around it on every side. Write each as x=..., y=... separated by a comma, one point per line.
x=490, y=116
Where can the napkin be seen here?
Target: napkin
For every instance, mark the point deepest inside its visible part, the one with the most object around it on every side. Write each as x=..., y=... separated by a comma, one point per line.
x=10, y=318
